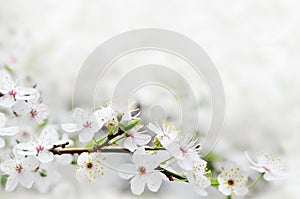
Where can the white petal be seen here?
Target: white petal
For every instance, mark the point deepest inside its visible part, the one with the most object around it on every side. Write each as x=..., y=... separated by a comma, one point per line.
x=86, y=135
x=152, y=127
x=70, y=127
x=82, y=175
x=199, y=190
x=154, y=181
x=268, y=176
x=2, y=143
x=26, y=179
x=241, y=190
x=45, y=156
x=9, y=131
x=142, y=139
x=11, y=184
x=127, y=171
x=7, y=101
x=130, y=144
x=225, y=189
x=8, y=166
x=174, y=150
x=64, y=159
x=250, y=160
x=186, y=163
x=82, y=158
x=137, y=185
x=2, y=120
x=30, y=163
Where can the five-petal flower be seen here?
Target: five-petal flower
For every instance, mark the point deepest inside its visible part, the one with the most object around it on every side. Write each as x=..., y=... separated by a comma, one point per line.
x=142, y=172
x=271, y=166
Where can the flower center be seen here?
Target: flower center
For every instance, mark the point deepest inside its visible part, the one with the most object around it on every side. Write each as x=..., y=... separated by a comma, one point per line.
x=33, y=113
x=230, y=182
x=12, y=93
x=142, y=170
x=39, y=148
x=87, y=124
x=19, y=168
x=129, y=134
x=267, y=169
x=89, y=165
x=183, y=150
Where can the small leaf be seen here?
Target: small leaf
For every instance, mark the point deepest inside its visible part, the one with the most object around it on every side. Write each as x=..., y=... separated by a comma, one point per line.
x=214, y=182
x=9, y=69
x=96, y=142
x=74, y=162
x=129, y=125
x=44, y=123
x=4, y=179
x=157, y=143
x=43, y=174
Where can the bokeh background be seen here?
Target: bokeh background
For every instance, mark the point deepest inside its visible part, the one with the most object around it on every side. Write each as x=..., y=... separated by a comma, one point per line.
x=254, y=44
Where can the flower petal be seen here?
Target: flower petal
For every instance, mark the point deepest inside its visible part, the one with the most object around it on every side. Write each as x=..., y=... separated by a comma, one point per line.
x=82, y=158
x=130, y=144
x=154, y=181
x=137, y=185
x=225, y=189
x=70, y=127
x=127, y=171
x=7, y=101
x=9, y=131
x=11, y=183
x=2, y=120
x=45, y=156
x=86, y=135
x=142, y=139
x=26, y=179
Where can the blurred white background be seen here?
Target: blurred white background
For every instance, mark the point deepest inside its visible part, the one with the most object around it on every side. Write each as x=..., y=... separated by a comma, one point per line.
x=254, y=44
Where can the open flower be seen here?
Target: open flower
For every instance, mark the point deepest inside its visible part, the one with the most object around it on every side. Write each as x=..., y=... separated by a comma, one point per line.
x=85, y=123
x=19, y=170
x=142, y=172
x=166, y=135
x=185, y=153
x=6, y=131
x=135, y=138
x=270, y=165
x=197, y=178
x=10, y=92
x=40, y=147
x=89, y=167
x=231, y=182
x=32, y=109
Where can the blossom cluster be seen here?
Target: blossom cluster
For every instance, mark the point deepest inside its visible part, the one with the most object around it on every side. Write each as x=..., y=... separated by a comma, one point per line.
x=31, y=146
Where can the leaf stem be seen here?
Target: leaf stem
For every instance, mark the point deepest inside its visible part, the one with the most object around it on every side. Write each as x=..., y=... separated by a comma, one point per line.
x=256, y=181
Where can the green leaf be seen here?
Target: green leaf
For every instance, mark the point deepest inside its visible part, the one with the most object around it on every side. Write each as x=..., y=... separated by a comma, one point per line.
x=157, y=143
x=129, y=125
x=44, y=123
x=9, y=69
x=43, y=174
x=98, y=141
x=74, y=162
x=214, y=182
x=4, y=179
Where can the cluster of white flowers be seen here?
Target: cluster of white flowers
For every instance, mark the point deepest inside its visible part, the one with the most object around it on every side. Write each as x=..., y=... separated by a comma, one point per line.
x=157, y=152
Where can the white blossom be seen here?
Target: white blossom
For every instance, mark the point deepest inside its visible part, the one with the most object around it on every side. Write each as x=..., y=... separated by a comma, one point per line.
x=231, y=182
x=20, y=170
x=142, y=172
x=197, y=178
x=89, y=167
x=11, y=92
x=185, y=153
x=85, y=123
x=166, y=135
x=32, y=109
x=6, y=131
x=40, y=147
x=135, y=138
x=271, y=166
